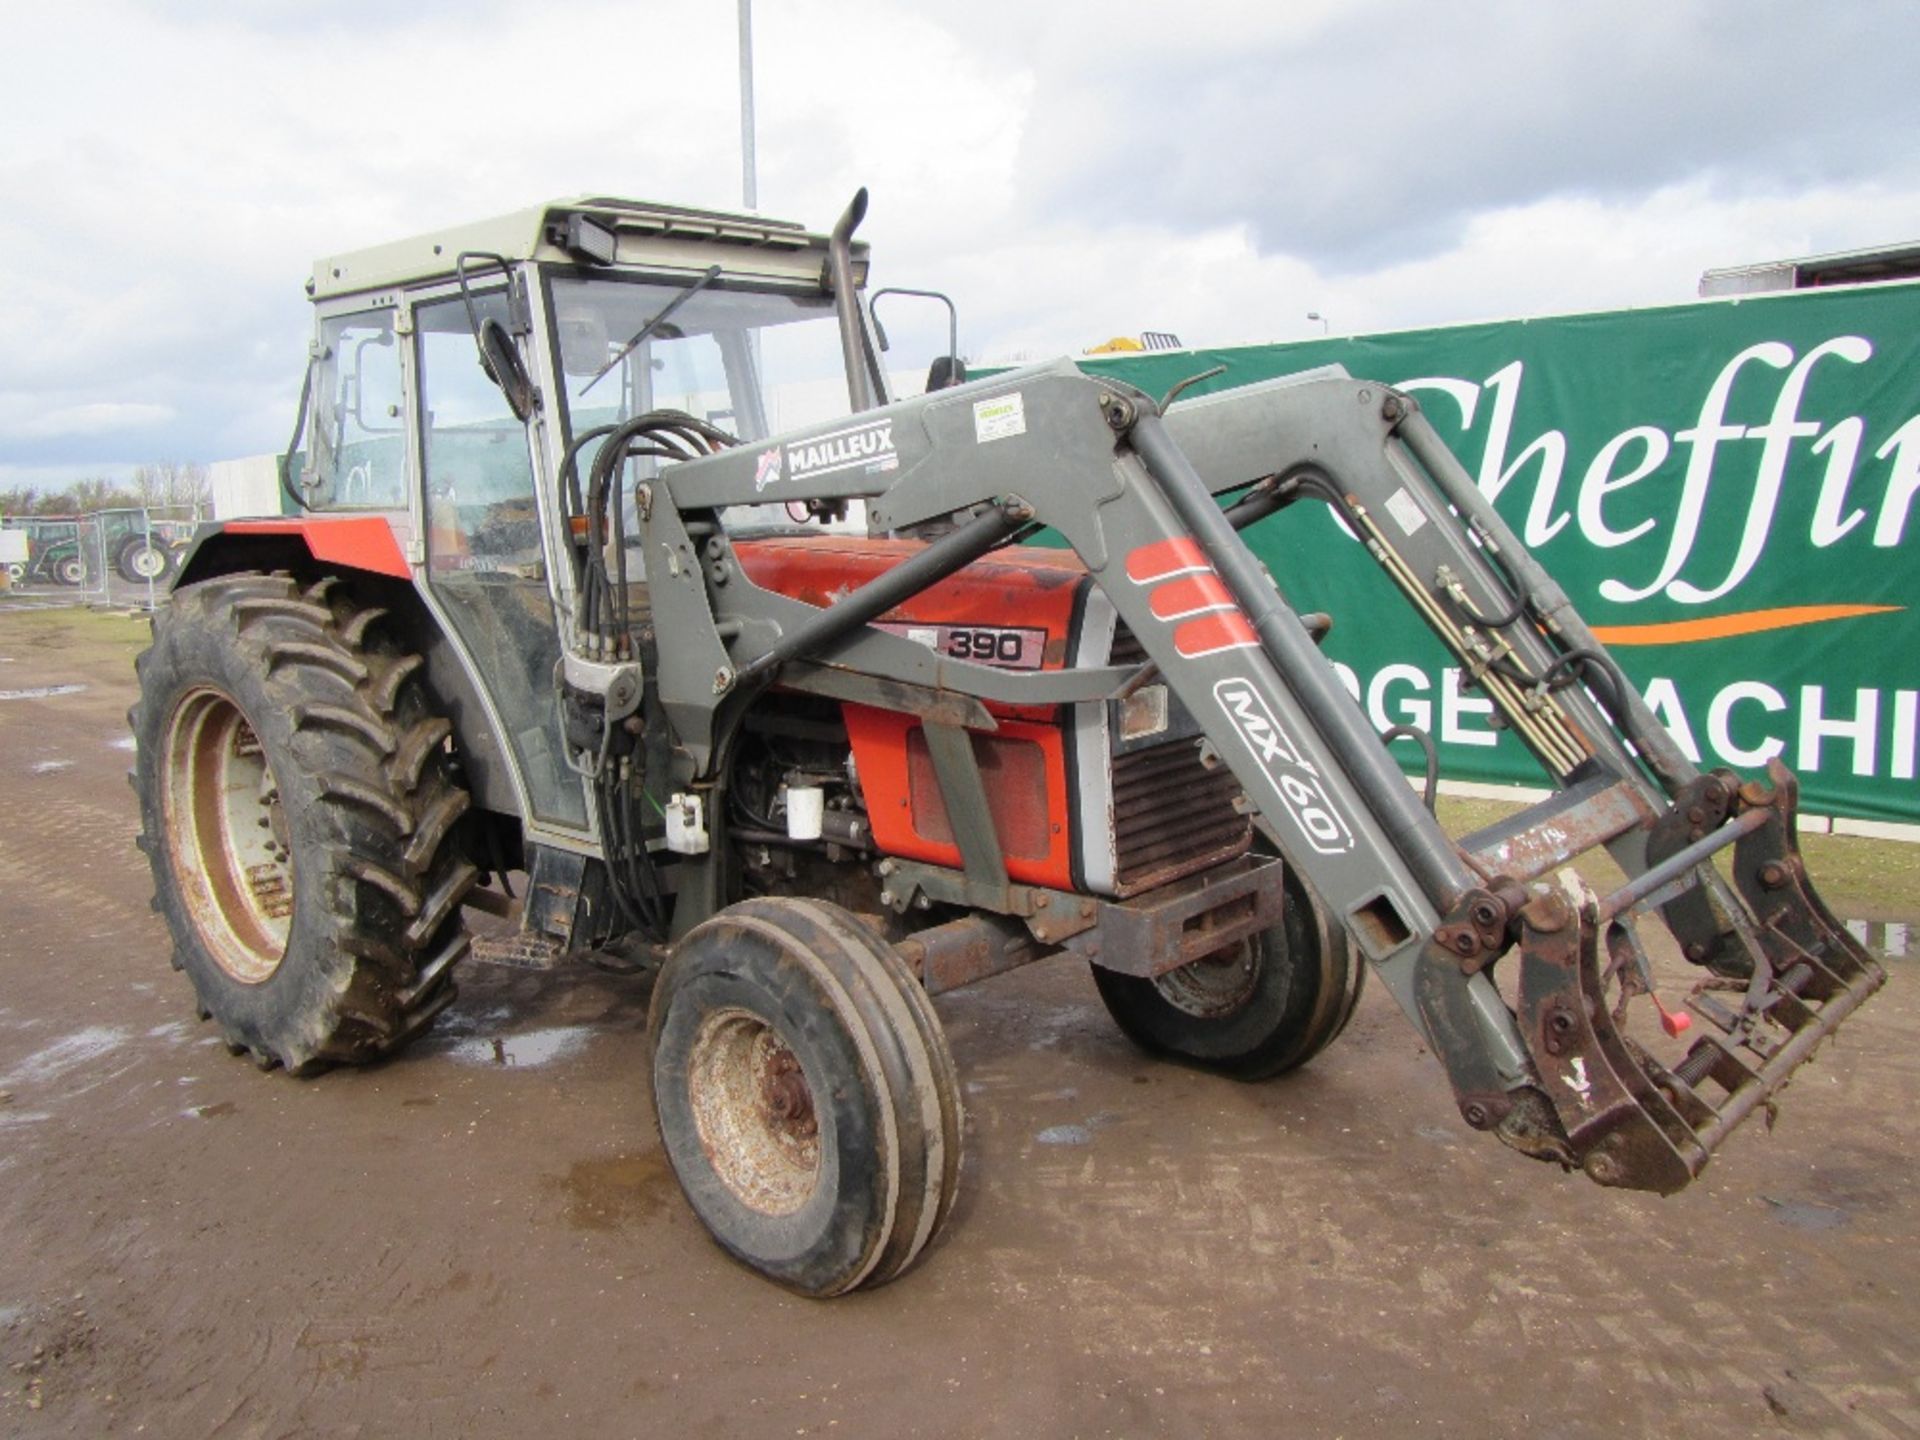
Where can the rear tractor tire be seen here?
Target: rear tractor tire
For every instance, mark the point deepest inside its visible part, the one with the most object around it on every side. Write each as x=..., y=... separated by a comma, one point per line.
x=805, y=1095
x=69, y=570
x=142, y=559
x=299, y=812
x=1253, y=1011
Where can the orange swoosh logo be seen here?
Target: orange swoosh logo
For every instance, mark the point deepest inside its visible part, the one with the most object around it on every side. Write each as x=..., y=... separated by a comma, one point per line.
x=1720, y=627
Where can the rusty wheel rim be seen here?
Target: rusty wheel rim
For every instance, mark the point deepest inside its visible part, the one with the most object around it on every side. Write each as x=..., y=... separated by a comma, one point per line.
x=753, y=1110
x=1214, y=985
x=226, y=836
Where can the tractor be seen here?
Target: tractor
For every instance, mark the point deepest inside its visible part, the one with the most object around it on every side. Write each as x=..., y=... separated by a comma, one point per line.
x=55, y=552
x=609, y=561
x=140, y=547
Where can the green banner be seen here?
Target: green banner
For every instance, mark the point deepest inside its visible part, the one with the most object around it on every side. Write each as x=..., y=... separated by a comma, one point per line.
x=1726, y=491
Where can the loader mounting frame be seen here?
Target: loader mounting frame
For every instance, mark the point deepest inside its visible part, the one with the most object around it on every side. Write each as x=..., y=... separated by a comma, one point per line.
x=1134, y=492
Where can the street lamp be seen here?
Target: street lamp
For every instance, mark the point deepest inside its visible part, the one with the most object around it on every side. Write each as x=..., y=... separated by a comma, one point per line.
x=749, y=176
x=1316, y=315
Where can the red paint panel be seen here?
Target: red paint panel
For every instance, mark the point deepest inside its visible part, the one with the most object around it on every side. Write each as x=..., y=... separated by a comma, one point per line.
x=1164, y=558
x=1025, y=769
x=1027, y=590
x=1023, y=763
x=1210, y=634
x=364, y=542
x=1015, y=775
x=1190, y=595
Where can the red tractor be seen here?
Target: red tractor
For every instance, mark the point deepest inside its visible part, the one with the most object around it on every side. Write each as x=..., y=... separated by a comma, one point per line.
x=666, y=603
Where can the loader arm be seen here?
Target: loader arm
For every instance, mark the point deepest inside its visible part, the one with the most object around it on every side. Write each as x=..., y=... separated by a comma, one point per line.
x=1134, y=494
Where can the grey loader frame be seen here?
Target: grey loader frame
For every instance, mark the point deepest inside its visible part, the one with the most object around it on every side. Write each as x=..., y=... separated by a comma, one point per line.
x=1134, y=492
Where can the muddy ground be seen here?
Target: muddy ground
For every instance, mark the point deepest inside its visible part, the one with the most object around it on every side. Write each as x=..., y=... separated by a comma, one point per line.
x=480, y=1238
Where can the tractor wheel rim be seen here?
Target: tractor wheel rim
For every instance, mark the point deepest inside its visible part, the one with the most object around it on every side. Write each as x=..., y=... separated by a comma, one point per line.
x=1215, y=985
x=148, y=563
x=227, y=836
x=754, y=1112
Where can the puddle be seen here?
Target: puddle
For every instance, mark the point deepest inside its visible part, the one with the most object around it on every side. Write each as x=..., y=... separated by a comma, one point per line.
x=125, y=742
x=1892, y=938
x=48, y=767
x=457, y=1023
x=175, y=1031
x=81, y=1048
x=601, y=1194
x=41, y=692
x=1806, y=1214
x=1065, y=1135
x=527, y=1049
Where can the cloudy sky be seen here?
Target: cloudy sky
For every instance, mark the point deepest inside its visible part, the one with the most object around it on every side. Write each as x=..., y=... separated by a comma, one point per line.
x=1068, y=172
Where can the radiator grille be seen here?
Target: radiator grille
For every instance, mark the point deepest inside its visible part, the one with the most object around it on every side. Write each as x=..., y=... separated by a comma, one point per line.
x=1172, y=816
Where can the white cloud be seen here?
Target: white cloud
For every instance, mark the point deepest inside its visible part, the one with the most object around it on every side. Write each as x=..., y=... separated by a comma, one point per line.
x=1563, y=255
x=93, y=418
x=168, y=174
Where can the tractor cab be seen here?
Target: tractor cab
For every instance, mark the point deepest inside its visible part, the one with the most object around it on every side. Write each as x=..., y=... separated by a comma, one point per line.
x=571, y=316
x=461, y=384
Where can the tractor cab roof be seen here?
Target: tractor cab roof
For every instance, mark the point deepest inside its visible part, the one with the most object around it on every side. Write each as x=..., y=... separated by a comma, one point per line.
x=600, y=231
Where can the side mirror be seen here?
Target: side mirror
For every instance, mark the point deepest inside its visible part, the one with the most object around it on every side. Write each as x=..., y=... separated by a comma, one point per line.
x=946, y=370
x=501, y=361
x=498, y=358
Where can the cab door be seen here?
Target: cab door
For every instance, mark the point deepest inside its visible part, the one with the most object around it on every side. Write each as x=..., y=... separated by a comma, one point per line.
x=486, y=561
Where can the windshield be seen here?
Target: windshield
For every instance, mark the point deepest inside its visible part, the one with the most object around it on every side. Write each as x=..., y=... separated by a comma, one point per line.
x=753, y=362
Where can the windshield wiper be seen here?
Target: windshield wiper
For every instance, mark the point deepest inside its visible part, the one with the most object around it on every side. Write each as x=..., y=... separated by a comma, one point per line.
x=660, y=317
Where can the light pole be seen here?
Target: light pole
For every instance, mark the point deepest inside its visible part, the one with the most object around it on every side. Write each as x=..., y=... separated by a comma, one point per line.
x=1311, y=314
x=749, y=180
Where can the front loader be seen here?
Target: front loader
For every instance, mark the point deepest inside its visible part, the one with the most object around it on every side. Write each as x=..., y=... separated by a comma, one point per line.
x=789, y=713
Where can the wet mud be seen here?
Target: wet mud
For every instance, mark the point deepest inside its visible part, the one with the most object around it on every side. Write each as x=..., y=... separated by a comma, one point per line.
x=482, y=1238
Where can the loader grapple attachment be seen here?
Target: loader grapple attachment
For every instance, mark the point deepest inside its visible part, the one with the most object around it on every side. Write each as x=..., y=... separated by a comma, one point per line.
x=1629, y=1120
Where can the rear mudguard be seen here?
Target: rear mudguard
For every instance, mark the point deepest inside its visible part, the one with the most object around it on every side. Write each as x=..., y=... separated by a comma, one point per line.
x=373, y=548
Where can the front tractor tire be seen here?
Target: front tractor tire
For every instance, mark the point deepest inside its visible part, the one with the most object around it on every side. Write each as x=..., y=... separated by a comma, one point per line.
x=806, y=1097
x=299, y=810
x=1255, y=1010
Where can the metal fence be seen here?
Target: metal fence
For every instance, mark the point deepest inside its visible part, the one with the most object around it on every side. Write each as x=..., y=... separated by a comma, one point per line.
x=119, y=557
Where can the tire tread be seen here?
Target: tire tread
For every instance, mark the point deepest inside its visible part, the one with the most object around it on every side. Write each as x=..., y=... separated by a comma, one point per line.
x=381, y=824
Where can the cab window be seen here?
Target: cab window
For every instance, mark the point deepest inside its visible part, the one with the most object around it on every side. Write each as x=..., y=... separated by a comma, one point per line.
x=357, y=452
